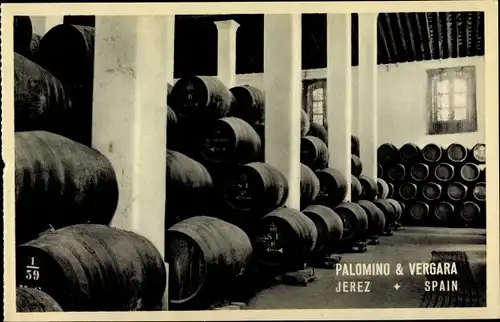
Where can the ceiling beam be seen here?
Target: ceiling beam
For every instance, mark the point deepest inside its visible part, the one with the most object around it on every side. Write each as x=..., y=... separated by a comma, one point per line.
x=480, y=33
x=439, y=39
x=387, y=57
x=354, y=39
x=395, y=54
x=456, y=34
x=403, y=38
x=474, y=31
x=426, y=27
x=447, y=41
x=424, y=54
x=468, y=25
x=415, y=52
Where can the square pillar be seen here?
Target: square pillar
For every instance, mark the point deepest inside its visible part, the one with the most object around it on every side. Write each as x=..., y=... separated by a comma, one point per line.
x=226, y=51
x=129, y=117
x=367, y=93
x=339, y=94
x=42, y=24
x=283, y=85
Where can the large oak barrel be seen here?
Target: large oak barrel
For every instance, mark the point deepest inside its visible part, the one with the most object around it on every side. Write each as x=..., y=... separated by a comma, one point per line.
x=67, y=51
x=169, y=92
x=328, y=224
x=410, y=153
x=369, y=187
x=94, y=268
x=420, y=172
x=309, y=186
x=388, y=211
x=305, y=122
x=392, y=189
x=418, y=211
x=172, y=123
x=444, y=211
x=355, y=221
x=432, y=153
x=333, y=187
x=356, y=189
x=479, y=192
x=60, y=182
x=250, y=104
x=444, y=172
x=470, y=212
x=457, y=191
x=431, y=191
x=478, y=153
x=408, y=191
x=356, y=166
x=284, y=239
x=395, y=172
x=456, y=153
x=231, y=140
x=313, y=153
x=256, y=187
x=23, y=30
x=376, y=218
x=32, y=300
x=470, y=172
x=40, y=101
x=398, y=209
x=319, y=131
x=387, y=153
x=355, y=145
x=380, y=171
x=205, y=255
x=382, y=189
x=202, y=98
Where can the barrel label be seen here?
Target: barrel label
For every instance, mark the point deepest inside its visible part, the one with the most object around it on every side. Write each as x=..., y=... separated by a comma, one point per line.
x=32, y=271
x=217, y=143
x=271, y=241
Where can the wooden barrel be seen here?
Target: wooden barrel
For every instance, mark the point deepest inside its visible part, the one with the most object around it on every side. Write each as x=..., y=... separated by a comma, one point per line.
x=395, y=171
x=410, y=153
x=60, y=182
x=201, y=97
x=256, y=187
x=205, y=255
x=456, y=153
x=444, y=211
x=328, y=225
x=172, y=120
x=355, y=221
x=457, y=191
x=356, y=189
x=333, y=187
x=376, y=218
x=169, y=92
x=382, y=189
x=319, y=131
x=23, y=30
x=431, y=191
x=408, y=191
x=444, y=172
x=33, y=300
x=284, y=239
x=355, y=145
x=478, y=153
x=91, y=267
x=356, y=166
x=418, y=211
x=231, y=140
x=390, y=194
x=67, y=51
x=250, y=104
x=479, y=192
x=369, y=187
x=305, y=123
x=40, y=100
x=388, y=211
x=398, y=210
x=432, y=153
x=470, y=212
x=309, y=186
x=313, y=153
x=380, y=171
x=419, y=172
x=387, y=153
x=470, y=172
x=189, y=187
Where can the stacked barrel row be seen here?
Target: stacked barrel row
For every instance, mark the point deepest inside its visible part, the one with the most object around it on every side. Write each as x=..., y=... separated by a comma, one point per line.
x=440, y=186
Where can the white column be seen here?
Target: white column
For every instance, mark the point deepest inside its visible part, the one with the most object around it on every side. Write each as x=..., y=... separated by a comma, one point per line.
x=169, y=56
x=283, y=84
x=339, y=93
x=129, y=117
x=42, y=24
x=367, y=92
x=226, y=51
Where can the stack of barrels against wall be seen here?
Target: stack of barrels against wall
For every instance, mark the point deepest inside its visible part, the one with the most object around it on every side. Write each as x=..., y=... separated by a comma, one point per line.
x=439, y=186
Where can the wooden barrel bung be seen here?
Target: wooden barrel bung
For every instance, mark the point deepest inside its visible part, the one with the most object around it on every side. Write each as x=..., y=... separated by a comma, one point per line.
x=418, y=211
x=328, y=224
x=250, y=104
x=387, y=153
x=395, y=172
x=309, y=186
x=457, y=191
x=333, y=187
x=388, y=211
x=205, y=254
x=408, y=191
x=479, y=153
x=431, y=191
x=470, y=212
x=231, y=140
x=94, y=268
x=319, y=131
x=380, y=171
x=369, y=187
x=356, y=189
x=382, y=189
x=444, y=172
x=390, y=193
x=356, y=166
x=470, y=172
x=432, y=153
x=314, y=153
x=456, y=153
x=355, y=221
x=398, y=209
x=256, y=187
x=479, y=191
x=23, y=30
x=376, y=218
x=284, y=239
x=355, y=145
x=419, y=172
x=410, y=153
x=444, y=211
x=33, y=300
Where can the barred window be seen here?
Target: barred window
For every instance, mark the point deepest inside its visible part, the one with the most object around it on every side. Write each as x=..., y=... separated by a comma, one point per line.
x=315, y=100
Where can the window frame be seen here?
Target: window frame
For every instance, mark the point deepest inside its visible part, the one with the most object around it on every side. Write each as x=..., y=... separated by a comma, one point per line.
x=308, y=88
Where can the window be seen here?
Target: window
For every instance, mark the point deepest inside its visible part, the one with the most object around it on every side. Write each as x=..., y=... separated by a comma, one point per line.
x=452, y=100
x=315, y=100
